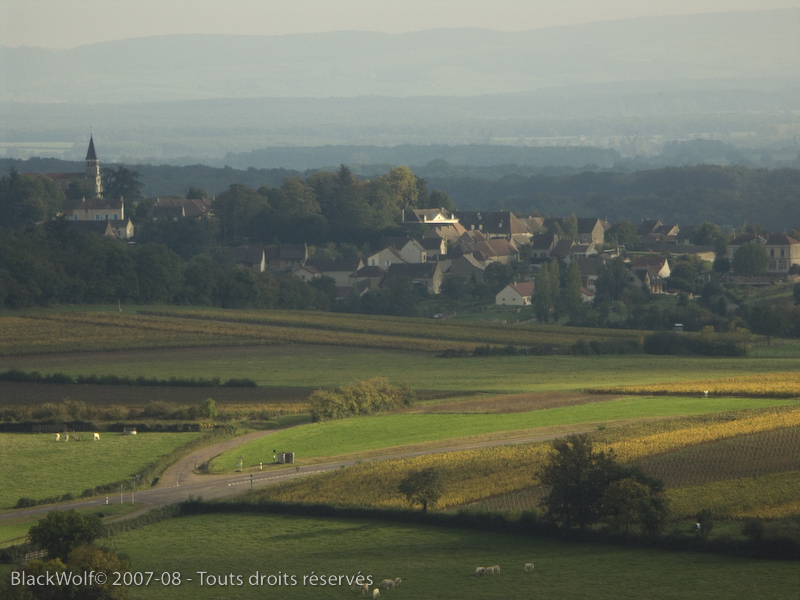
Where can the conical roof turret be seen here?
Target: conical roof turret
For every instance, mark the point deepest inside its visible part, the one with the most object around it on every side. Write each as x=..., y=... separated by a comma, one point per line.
x=90, y=154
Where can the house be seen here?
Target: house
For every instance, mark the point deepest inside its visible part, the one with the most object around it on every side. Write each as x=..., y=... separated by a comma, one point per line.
x=410, y=249
x=486, y=250
x=783, y=251
x=306, y=273
x=427, y=275
x=543, y=246
x=179, y=208
x=251, y=258
x=372, y=275
x=658, y=265
x=427, y=216
x=515, y=294
x=99, y=209
x=434, y=247
x=468, y=266
x=285, y=257
x=338, y=269
x=450, y=233
x=496, y=224
x=590, y=267
x=647, y=279
x=385, y=258
x=589, y=231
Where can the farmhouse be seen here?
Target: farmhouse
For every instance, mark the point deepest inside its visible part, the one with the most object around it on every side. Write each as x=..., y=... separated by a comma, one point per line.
x=515, y=294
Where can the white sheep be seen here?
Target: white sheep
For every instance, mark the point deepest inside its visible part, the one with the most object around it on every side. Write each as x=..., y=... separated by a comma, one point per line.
x=387, y=584
x=529, y=567
x=364, y=588
x=58, y=437
x=397, y=582
x=376, y=593
x=66, y=437
x=96, y=436
x=480, y=571
x=493, y=570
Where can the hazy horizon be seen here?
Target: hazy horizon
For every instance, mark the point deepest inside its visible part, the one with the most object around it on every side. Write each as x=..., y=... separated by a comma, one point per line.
x=64, y=24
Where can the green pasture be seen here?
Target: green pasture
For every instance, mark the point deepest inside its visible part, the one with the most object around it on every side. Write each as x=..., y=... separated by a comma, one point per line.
x=432, y=562
x=325, y=366
x=37, y=466
x=384, y=431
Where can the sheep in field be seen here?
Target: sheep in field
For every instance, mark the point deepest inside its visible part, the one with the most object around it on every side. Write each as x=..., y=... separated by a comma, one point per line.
x=376, y=593
x=494, y=570
x=96, y=436
x=58, y=437
x=364, y=588
x=397, y=582
x=529, y=567
x=387, y=584
x=480, y=571
x=66, y=437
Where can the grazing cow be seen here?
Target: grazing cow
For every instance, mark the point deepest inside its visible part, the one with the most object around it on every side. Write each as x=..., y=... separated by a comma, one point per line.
x=58, y=437
x=529, y=567
x=376, y=593
x=387, y=584
x=96, y=436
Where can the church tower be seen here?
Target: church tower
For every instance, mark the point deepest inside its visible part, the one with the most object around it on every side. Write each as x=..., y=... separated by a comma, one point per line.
x=93, y=183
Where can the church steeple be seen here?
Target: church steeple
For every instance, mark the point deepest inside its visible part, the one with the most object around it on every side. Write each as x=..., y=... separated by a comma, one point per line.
x=93, y=182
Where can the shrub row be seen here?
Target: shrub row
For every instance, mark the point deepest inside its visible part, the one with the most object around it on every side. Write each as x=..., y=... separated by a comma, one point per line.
x=780, y=544
x=359, y=398
x=669, y=342
x=17, y=376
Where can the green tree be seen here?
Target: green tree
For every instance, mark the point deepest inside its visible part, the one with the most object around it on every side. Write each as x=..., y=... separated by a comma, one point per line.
x=578, y=477
x=208, y=409
x=622, y=233
x=543, y=294
x=612, y=279
x=236, y=208
x=439, y=199
x=423, y=487
x=571, y=298
x=497, y=276
x=28, y=199
x=121, y=182
x=159, y=273
x=706, y=234
x=61, y=531
x=750, y=259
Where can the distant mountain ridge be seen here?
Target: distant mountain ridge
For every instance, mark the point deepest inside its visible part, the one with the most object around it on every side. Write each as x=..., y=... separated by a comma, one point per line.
x=444, y=62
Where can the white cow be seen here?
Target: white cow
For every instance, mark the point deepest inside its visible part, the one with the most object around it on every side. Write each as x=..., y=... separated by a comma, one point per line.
x=96, y=436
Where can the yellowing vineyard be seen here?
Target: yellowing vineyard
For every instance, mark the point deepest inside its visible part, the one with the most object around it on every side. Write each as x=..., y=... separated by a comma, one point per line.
x=767, y=385
x=507, y=475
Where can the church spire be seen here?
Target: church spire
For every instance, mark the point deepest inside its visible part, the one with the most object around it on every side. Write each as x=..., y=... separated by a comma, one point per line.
x=90, y=154
x=94, y=183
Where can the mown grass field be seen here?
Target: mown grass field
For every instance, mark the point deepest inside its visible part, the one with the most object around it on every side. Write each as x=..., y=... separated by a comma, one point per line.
x=385, y=431
x=432, y=562
x=37, y=466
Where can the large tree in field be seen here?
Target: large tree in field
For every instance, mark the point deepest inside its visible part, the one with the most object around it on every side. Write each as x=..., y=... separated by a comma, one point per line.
x=422, y=487
x=121, y=182
x=578, y=477
x=587, y=486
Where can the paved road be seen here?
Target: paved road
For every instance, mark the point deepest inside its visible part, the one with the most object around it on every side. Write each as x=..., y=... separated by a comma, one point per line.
x=180, y=481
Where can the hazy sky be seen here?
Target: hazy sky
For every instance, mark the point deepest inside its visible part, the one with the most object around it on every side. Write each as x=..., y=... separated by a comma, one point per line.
x=70, y=23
